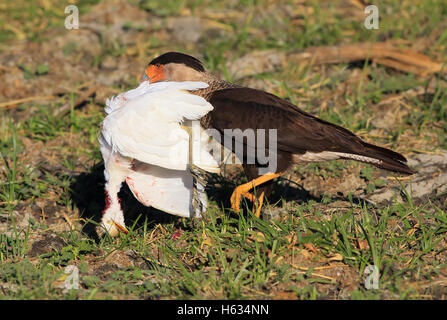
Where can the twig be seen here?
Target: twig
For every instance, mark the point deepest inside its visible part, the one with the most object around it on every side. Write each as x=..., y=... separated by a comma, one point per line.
x=68, y=221
x=15, y=103
x=43, y=216
x=318, y=275
x=398, y=178
x=65, y=109
x=320, y=268
x=317, y=268
x=383, y=53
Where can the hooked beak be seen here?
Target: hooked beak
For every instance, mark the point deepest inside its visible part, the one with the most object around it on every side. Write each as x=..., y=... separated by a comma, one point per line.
x=152, y=74
x=144, y=77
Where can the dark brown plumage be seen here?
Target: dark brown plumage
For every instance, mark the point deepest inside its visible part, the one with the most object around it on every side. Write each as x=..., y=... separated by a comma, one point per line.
x=301, y=137
x=176, y=57
x=298, y=131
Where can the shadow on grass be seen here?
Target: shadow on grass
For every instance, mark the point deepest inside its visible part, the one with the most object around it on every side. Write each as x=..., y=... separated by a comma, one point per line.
x=220, y=189
x=87, y=192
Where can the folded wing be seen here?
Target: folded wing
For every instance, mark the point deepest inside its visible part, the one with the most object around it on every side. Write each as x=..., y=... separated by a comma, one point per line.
x=147, y=127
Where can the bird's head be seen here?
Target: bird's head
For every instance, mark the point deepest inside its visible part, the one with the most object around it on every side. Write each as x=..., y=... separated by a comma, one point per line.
x=173, y=66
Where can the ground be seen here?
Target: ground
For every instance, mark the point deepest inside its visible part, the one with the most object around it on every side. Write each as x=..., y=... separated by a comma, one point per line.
x=326, y=225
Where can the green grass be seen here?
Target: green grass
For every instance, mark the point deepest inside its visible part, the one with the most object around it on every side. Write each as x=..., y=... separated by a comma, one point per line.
x=317, y=248
x=236, y=266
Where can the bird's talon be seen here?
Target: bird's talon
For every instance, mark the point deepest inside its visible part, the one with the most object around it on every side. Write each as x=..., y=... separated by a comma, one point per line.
x=257, y=205
x=236, y=200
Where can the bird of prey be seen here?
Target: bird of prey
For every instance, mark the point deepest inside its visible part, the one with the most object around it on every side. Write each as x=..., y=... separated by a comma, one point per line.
x=145, y=141
x=300, y=137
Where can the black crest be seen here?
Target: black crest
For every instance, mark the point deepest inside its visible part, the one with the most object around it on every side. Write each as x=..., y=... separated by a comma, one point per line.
x=177, y=57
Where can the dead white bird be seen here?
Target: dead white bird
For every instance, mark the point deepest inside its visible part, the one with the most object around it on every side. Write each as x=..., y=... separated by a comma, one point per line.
x=145, y=141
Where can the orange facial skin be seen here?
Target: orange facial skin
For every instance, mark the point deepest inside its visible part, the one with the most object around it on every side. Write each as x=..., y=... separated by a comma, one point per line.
x=154, y=73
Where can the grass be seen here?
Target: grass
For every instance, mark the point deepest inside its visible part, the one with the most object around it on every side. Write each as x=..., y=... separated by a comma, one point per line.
x=319, y=247
x=242, y=257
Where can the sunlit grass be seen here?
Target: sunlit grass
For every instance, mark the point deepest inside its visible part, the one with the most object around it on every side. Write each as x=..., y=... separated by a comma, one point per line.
x=229, y=256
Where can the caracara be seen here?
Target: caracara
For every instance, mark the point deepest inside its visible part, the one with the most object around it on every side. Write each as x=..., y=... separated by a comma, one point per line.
x=299, y=136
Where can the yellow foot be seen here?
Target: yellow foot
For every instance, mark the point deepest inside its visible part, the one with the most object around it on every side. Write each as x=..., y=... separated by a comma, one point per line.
x=257, y=206
x=243, y=190
x=236, y=198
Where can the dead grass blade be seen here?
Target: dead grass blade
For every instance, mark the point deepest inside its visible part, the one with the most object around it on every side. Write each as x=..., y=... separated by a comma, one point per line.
x=14, y=103
x=405, y=60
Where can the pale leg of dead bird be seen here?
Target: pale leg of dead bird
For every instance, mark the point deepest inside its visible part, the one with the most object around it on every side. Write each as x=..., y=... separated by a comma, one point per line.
x=116, y=171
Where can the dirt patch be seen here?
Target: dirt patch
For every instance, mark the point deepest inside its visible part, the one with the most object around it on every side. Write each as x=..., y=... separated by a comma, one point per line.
x=430, y=181
x=48, y=244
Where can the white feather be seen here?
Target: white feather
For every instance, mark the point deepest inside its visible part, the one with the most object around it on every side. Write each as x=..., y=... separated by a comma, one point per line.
x=147, y=127
x=163, y=189
x=144, y=142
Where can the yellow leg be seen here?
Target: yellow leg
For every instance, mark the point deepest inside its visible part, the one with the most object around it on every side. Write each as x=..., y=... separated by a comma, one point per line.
x=243, y=189
x=258, y=206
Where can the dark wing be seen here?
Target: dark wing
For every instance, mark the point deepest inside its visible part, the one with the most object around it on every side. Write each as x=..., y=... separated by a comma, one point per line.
x=297, y=130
